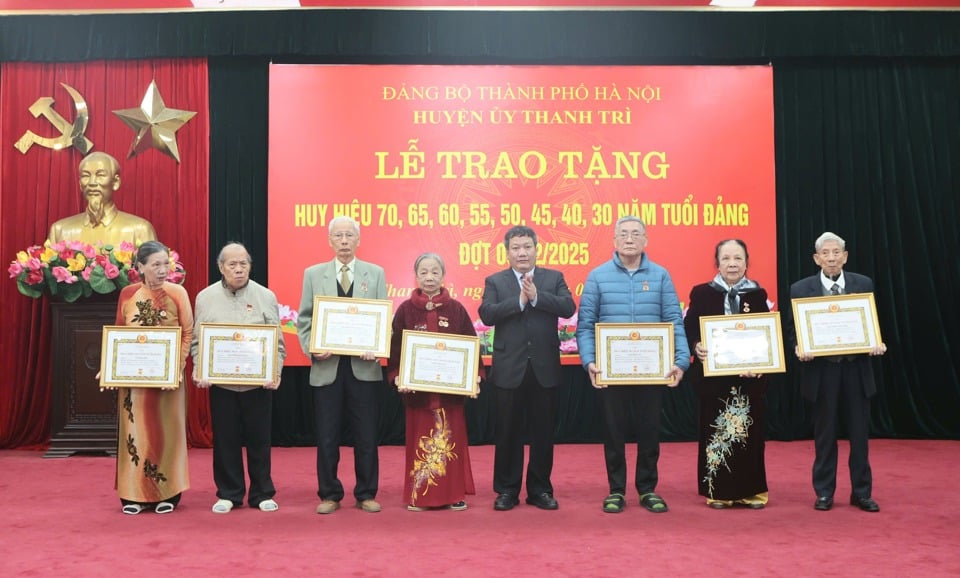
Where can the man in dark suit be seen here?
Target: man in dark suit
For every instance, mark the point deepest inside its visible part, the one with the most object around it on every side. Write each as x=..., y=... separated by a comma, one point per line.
x=343, y=386
x=524, y=304
x=826, y=379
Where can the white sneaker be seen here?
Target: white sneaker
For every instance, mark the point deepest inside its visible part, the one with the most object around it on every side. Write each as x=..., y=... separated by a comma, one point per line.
x=222, y=507
x=268, y=506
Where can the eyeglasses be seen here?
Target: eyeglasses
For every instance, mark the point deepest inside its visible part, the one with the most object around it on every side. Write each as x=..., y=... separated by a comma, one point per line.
x=630, y=235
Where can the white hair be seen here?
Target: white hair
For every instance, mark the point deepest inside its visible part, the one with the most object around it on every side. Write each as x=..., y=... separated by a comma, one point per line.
x=344, y=219
x=828, y=236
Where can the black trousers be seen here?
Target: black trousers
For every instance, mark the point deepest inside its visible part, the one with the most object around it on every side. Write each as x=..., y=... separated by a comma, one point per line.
x=631, y=408
x=358, y=401
x=242, y=419
x=540, y=406
x=841, y=381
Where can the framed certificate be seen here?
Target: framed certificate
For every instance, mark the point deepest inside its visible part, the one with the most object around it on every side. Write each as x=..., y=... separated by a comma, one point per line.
x=237, y=354
x=439, y=362
x=140, y=356
x=634, y=353
x=836, y=324
x=740, y=343
x=347, y=326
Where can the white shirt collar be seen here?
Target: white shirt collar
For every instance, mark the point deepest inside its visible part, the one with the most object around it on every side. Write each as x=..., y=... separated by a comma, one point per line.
x=827, y=282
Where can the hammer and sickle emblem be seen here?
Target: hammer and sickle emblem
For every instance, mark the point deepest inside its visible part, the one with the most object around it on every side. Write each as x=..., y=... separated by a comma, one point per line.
x=70, y=134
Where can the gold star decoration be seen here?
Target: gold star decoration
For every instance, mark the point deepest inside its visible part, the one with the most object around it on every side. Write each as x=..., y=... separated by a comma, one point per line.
x=155, y=124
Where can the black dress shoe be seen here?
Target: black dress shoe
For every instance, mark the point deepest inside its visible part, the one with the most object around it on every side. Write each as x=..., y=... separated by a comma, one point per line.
x=544, y=501
x=505, y=502
x=865, y=504
x=823, y=503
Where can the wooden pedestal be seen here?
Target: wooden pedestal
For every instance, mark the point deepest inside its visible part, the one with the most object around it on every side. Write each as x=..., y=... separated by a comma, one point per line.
x=83, y=420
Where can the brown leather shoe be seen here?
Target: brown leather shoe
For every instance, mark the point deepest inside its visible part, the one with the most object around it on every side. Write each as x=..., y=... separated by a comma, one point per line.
x=328, y=507
x=371, y=506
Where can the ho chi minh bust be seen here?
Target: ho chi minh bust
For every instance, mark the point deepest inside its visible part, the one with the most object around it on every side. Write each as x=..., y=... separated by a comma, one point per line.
x=102, y=222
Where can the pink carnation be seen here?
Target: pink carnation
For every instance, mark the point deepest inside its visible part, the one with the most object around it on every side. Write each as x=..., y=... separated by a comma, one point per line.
x=15, y=269
x=86, y=272
x=110, y=270
x=34, y=264
x=89, y=251
x=63, y=276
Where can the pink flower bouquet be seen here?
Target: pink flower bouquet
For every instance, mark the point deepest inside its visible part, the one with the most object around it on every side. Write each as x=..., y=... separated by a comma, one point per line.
x=73, y=269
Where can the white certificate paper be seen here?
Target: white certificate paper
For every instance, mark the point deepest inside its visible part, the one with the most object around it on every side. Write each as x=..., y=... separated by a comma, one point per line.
x=738, y=344
x=439, y=362
x=140, y=357
x=238, y=354
x=642, y=356
x=347, y=326
x=836, y=324
x=634, y=353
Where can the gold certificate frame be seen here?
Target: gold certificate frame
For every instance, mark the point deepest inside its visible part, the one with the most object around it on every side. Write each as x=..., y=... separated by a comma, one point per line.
x=634, y=353
x=238, y=354
x=140, y=357
x=737, y=344
x=439, y=362
x=347, y=326
x=836, y=324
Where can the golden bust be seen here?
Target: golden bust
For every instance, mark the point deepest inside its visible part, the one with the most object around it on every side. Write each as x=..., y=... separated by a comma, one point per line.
x=102, y=221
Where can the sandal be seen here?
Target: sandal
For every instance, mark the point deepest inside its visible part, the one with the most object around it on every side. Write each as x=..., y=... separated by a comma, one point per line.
x=614, y=504
x=653, y=503
x=164, y=508
x=458, y=507
x=222, y=506
x=132, y=509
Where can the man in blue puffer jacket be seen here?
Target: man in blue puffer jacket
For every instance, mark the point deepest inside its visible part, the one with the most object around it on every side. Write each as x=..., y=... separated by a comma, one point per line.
x=630, y=288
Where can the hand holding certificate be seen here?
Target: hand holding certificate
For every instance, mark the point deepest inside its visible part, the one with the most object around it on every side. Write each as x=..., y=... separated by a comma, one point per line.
x=238, y=354
x=140, y=357
x=634, y=353
x=346, y=326
x=745, y=344
x=439, y=362
x=837, y=325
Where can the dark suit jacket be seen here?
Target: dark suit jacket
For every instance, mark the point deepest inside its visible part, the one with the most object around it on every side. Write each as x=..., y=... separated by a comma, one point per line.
x=811, y=372
x=528, y=334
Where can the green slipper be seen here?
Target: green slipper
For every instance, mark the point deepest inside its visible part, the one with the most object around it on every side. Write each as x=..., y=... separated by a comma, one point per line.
x=653, y=503
x=614, y=504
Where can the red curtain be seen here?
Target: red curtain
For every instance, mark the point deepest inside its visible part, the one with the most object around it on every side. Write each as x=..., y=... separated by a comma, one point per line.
x=42, y=186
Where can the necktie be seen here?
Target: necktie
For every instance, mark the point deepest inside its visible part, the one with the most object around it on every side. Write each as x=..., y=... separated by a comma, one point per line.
x=345, y=278
x=732, y=301
x=835, y=290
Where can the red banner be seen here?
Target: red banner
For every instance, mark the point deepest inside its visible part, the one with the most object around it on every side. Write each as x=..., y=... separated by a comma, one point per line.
x=447, y=158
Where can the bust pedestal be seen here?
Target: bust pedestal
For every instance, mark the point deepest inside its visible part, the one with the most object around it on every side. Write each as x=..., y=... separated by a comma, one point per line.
x=83, y=419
